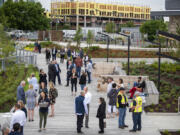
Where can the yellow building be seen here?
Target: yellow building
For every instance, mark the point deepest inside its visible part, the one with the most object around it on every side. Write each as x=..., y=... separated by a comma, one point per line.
x=95, y=14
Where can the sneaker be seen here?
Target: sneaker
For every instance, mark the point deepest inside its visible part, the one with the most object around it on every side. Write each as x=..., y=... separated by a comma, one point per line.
x=132, y=130
x=139, y=130
x=126, y=126
x=80, y=132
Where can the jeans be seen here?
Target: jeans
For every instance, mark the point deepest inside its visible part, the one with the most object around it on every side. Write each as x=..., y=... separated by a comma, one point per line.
x=122, y=115
x=59, y=78
x=89, y=77
x=78, y=70
x=43, y=116
x=82, y=86
x=79, y=122
x=136, y=120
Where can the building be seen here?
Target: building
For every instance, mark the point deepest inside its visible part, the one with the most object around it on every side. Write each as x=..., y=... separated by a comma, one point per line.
x=172, y=11
x=92, y=14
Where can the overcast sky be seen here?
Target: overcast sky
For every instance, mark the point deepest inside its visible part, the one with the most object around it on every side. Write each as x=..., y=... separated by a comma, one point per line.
x=154, y=4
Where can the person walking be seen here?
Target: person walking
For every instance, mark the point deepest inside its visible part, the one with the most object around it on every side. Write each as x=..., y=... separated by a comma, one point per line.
x=42, y=77
x=73, y=77
x=48, y=55
x=20, y=92
x=101, y=114
x=43, y=103
x=31, y=102
x=112, y=95
x=62, y=54
x=121, y=83
x=58, y=71
x=18, y=117
x=33, y=80
x=110, y=82
x=86, y=58
x=54, y=52
x=69, y=53
x=82, y=80
x=81, y=53
x=89, y=71
x=39, y=47
x=52, y=72
x=53, y=94
x=22, y=107
x=121, y=104
x=79, y=63
x=88, y=97
x=80, y=110
x=69, y=72
x=136, y=108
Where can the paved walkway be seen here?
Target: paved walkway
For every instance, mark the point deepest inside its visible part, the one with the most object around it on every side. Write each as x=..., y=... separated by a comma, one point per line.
x=64, y=122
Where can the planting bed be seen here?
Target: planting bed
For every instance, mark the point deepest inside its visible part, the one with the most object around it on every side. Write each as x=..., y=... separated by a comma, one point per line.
x=170, y=84
x=166, y=132
x=9, y=80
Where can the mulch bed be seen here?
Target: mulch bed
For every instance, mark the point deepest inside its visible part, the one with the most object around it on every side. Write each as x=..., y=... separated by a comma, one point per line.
x=171, y=133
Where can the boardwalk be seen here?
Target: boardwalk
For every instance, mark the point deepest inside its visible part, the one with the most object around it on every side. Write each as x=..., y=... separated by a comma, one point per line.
x=64, y=122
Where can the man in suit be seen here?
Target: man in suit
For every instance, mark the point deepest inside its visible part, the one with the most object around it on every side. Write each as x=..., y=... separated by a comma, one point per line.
x=54, y=52
x=20, y=92
x=52, y=72
x=80, y=110
x=58, y=71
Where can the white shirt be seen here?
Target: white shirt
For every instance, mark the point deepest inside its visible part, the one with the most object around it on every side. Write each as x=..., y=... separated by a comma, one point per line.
x=18, y=117
x=34, y=82
x=89, y=67
x=88, y=97
x=109, y=87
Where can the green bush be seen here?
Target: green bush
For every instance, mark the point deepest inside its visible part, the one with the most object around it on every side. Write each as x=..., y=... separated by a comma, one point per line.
x=46, y=44
x=166, y=132
x=94, y=48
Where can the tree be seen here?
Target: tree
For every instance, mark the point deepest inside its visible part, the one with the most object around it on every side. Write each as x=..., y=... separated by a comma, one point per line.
x=178, y=29
x=90, y=37
x=78, y=36
x=24, y=15
x=5, y=44
x=110, y=27
x=150, y=28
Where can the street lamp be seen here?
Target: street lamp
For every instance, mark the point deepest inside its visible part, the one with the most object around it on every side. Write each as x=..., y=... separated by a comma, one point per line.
x=129, y=43
x=108, y=42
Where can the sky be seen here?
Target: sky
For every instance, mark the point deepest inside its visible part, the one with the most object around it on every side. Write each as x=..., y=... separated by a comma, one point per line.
x=155, y=5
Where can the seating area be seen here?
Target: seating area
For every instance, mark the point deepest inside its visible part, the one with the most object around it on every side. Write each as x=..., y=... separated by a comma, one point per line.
x=150, y=89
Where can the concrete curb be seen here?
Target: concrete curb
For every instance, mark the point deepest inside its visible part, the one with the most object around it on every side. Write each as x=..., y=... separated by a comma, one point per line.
x=161, y=114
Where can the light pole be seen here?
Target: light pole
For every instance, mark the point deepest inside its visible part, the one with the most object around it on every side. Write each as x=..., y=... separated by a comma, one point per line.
x=129, y=44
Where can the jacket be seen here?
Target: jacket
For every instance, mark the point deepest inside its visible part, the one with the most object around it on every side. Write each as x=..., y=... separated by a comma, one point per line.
x=51, y=69
x=82, y=79
x=119, y=102
x=43, y=109
x=112, y=95
x=21, y=94
x=42, y=78
x=73, y=80
x=79, y=105
x=101, y=112
x=78, y=62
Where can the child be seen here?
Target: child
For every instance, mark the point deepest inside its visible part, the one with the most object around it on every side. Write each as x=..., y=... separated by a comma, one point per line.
x=101, y=114
x=16, y=129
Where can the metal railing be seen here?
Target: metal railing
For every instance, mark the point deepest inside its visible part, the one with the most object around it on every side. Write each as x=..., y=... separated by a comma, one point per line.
x=18, y=57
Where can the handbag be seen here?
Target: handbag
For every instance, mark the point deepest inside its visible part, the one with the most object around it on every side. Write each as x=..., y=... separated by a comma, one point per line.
x=105, y=124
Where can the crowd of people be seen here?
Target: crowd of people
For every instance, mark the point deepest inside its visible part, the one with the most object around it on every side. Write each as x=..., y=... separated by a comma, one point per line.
x=42, y=93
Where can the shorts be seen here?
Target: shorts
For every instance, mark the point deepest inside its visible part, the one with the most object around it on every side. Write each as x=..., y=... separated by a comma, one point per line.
x=111, y=108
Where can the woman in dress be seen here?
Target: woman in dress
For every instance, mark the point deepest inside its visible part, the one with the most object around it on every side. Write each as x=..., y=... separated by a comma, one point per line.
x=53, y=94
x=43, y=103
x=73, y=81
x=31, y=102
